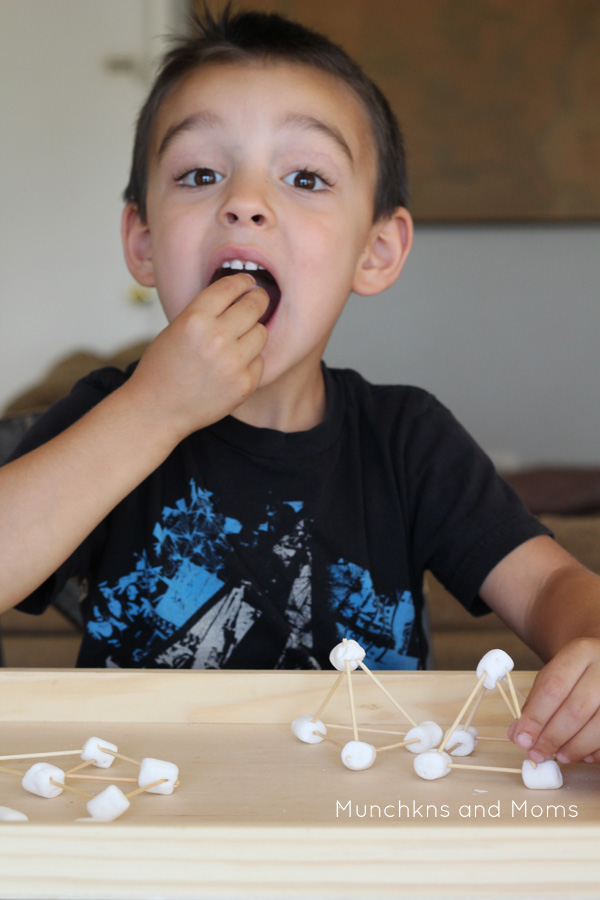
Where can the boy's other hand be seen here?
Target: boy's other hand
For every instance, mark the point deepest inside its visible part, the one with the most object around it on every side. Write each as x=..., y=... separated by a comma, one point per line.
x=207, y=361
x=562, y=713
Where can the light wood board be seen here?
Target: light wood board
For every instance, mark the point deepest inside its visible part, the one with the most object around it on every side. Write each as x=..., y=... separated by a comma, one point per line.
x=260, y=814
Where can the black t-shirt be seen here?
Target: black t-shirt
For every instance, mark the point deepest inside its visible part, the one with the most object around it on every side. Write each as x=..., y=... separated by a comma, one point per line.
x=250, y=548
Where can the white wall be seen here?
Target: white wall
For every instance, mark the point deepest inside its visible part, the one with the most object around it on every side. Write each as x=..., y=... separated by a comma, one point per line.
x=67, y=126
x=502, y=323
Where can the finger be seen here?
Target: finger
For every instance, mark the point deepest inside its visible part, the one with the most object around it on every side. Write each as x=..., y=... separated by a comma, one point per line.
x=570, y=731
x=550, y=689
x=256, y=368
x=253, y=342
x=220, y=295
x=244, y=313
x=586, y=743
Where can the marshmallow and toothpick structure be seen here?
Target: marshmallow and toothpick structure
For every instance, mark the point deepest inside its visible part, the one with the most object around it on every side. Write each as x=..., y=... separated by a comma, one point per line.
x=155, y=776
x=426, y=740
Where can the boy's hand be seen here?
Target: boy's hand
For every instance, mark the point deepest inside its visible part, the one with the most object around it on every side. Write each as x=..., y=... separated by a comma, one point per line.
x=562, y=713
x=207, y=361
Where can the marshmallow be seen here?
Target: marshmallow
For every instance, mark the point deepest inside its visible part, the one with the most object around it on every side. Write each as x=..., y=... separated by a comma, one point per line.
x=36, y=780
x=91, y=751
x=357, y=755
x=544, y=776
x=109, y=804
x=350, y=651
x=426, y=735
x=304, y=728
x=495, y=664
x=462, y=741
x=431, y=764
x=12, y=815
x=152, y=770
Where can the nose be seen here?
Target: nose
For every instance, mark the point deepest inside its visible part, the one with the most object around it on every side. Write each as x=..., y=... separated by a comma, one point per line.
x=233, y=217
x=247, y=203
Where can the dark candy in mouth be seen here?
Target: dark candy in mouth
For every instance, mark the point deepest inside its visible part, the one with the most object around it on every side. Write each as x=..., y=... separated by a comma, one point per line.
x=264, y=280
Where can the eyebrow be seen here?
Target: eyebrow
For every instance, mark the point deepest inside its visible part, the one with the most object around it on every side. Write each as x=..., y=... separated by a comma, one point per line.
x=196, y=120
x=204, y=119
x=311, y=123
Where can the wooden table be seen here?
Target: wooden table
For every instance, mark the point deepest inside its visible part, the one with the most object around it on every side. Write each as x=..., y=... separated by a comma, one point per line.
x=258, y=814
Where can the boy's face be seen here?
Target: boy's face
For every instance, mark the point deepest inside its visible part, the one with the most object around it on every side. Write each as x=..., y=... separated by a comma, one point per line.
x=272, y=164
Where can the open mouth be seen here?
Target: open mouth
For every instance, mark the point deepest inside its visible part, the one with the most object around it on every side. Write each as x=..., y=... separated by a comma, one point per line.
x=263, y=279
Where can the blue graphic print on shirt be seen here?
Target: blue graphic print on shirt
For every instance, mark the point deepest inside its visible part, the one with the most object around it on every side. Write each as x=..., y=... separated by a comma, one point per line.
x=186, y=609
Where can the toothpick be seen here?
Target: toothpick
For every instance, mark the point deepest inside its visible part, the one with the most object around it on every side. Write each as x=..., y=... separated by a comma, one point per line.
x=336, y=685
x=146, y=787
x=506, y=700
x=483, y=768
x=67, y=787
x=100, y=778
x=401, y=744
x=351, y=697
x=136, y=762
x=462, y=712
x=368, y=730
x=387, y=694
x=513, y=694
x=83, y=765
x=329, y=740
x=471, y=715
x=42, y=755
x=11, y=771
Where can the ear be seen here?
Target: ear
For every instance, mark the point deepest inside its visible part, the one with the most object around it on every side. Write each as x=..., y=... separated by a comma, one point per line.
x=386, y=251
x=137, y=246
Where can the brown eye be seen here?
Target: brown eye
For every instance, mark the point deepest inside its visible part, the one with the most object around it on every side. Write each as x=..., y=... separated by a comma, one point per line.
x=306, y=180
x=204, y=176
x=199, y=178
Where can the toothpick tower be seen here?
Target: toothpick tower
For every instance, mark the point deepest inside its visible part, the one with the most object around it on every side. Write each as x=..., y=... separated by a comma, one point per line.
x=434, y=750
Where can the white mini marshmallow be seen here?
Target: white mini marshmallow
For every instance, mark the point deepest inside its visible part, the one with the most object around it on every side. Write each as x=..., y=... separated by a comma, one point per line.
x=462, y=741
x=152, y=770
x=109, y=804
x=357, y=755
x=36, y=780
x=304, y=728
x=350, y=651
x=426, y=735
x=12, y=815
x=91, y=751
x=431, y=764
x=545, y=776
x=495, y=664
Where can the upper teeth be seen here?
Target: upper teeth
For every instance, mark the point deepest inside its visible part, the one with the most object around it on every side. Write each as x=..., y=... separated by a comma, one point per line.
x=240, y=264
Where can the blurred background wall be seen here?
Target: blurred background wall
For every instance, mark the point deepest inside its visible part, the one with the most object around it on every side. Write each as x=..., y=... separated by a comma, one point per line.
x=500, y=320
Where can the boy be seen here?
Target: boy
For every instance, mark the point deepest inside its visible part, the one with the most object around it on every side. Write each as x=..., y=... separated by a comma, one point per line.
x=233, y=502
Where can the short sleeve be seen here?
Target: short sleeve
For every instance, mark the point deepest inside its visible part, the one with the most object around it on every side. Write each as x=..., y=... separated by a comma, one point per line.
x=85, y=394
x=464, y=517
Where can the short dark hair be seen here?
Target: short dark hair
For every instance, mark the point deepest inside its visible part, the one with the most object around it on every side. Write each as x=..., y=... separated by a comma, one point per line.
x=237, y=37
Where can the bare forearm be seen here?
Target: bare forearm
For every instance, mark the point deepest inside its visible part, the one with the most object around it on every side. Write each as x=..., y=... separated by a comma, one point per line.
x=51, y=498
x=553, y=603
x=200, y=368
x=566, y=609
